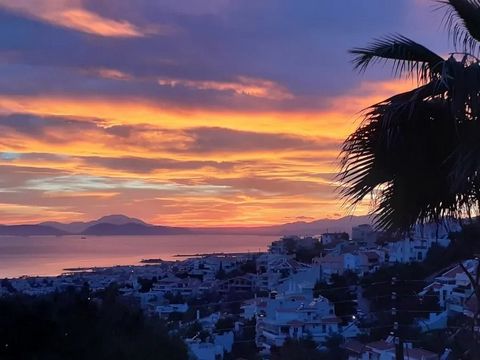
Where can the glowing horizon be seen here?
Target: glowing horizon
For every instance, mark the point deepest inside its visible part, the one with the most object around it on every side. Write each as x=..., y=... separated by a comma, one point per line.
x=184, y=115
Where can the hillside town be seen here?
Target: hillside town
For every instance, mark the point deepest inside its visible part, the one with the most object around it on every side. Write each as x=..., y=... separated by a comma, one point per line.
x=335, y=291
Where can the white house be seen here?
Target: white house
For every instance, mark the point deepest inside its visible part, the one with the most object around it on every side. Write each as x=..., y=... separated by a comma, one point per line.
x=453, y=287
x=385, y=350
x=364, y=234
x=171, y=308
x=205, y=350
x=272, y=269
x=328, y=238
x=415, y=246
x=358, y=261
x=297, y=316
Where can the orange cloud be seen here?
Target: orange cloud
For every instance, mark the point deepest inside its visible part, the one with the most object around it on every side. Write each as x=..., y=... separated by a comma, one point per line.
x=71, y=14
x=14, y=213
x=111, y=74
x=138, y=111
x=86, y=21
x=138, y=158
x=242, y=86
x=336, y=121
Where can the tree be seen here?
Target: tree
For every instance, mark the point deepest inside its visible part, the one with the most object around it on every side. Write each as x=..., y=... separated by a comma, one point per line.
x=418, y=153
x=69, y=325
x=297, y=350
x=306, y=255
x=221, y=274
x=225, y=325
x=249, y=267
x=333, y=347
x=290, y=244
x=340, y=290
x=176, y=298
x=378, y=290
x=5, y=283
x=193, y=330
x=244, y=346
x=145, y=284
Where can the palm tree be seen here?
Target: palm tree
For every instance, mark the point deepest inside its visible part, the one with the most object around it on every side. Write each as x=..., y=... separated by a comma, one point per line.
x=417, y=154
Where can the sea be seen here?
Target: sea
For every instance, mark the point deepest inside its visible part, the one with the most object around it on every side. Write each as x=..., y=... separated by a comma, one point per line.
x=51, y=255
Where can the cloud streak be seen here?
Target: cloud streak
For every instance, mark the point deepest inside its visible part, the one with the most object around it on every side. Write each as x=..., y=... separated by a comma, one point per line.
x=218, y=112
x=70, y=14
x=241, y=85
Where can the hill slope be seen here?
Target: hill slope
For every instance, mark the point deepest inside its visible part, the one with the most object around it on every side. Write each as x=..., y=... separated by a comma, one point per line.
x=124, y=225
x=132, y=229
x=79, y=227
x=30, y=230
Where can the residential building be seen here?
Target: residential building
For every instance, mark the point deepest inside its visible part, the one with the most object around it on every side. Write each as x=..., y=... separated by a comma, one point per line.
x=297, y=316
x=168, y=309
x=364, y=234
x=384, y=350
x=327, y=238
x=453, y=287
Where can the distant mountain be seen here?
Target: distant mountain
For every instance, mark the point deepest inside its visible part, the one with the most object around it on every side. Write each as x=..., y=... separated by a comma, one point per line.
x=80, y=226
x=124, y=225
x=317, y=227
x=132, y=229
x=30, y=230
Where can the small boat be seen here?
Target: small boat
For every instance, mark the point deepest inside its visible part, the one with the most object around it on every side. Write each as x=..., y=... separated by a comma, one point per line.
x=83, y=237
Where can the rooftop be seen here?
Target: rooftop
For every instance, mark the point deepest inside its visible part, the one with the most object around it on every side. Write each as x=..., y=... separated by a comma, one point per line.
x=381, y=345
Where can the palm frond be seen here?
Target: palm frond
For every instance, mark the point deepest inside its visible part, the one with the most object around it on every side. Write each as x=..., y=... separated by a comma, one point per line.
x=462, y=18
x=407, y=55
x=418, y=153
x=400, y=156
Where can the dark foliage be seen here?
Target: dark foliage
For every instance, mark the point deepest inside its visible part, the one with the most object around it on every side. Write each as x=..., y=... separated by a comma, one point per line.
x=224, y=325
x=297, y=350
x=146, y=284
x=342, y=291
x=245, y=346
x=306, y=255
x=176, y=298
x=417, y=153
x=5, y=283
x=249, y=267
x=71, y=325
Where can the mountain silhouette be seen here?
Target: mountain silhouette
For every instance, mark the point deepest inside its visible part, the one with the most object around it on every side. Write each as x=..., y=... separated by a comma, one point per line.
x=30, y=230
x=79, y=227
x=132, y=229
x=124, y=225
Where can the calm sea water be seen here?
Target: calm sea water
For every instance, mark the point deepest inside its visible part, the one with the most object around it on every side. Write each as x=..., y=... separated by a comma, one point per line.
x=49, y=255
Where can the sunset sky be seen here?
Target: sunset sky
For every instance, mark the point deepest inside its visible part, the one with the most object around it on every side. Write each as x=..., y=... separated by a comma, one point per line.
x=187, y=112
